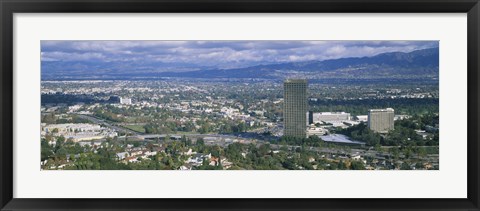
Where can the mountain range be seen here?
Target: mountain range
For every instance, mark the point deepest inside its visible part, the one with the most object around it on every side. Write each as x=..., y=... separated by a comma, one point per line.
x=416, y=64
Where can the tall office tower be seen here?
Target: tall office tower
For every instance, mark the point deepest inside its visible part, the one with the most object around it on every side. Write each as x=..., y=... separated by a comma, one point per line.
x=381, y=120
x=295, y=107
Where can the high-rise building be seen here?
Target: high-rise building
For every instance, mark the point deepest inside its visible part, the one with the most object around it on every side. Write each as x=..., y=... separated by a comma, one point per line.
x=381, y=120
x=114, y=99
x=295, y=107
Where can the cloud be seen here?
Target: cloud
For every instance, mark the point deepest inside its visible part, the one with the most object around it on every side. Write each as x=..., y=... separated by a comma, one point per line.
x=65, y=56
x=218, y=54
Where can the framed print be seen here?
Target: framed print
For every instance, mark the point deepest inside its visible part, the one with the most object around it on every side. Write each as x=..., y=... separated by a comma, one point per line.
x=257, y=105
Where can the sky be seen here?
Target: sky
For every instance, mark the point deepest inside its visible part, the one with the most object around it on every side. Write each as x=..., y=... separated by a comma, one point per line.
x=217, y=54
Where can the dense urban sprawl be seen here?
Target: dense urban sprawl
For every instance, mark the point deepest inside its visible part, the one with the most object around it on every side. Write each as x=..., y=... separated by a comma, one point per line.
x=234, y=124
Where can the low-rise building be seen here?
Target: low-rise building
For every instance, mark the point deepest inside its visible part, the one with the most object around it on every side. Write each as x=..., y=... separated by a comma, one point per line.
x=122, y=155
x=319, y=117
x=126, y=101
x=318, y=131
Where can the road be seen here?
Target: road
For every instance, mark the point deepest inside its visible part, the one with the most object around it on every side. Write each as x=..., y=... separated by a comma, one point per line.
x=101, y=121
x=363, y=152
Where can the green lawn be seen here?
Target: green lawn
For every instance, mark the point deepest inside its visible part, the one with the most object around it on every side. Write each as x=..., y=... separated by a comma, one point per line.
x=138, y=128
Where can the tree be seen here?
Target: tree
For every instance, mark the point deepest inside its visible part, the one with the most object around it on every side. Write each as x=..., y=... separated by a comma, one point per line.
x=264, y=149
x=422, y=152
x=342, y=165
x=405, y=166
x=219, y=164
x=357, y=165
x=395, y=152
x=46, y=150
x=200, y=142
x=242, y=127
x=49, y=118
x=149, y=146
x=418, y=165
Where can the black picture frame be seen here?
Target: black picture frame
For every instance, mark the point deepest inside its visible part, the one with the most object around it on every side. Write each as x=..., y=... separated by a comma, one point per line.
x=9, y=7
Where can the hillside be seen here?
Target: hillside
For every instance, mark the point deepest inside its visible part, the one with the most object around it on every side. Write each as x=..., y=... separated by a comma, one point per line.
x=415, y=64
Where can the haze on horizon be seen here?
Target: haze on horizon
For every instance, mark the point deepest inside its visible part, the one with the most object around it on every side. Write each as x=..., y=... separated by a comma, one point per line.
x=191, y=55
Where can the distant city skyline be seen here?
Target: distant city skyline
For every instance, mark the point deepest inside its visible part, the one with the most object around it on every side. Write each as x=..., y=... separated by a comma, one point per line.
x=191, y=55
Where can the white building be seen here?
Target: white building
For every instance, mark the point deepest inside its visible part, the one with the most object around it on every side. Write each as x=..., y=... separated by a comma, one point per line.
x=71, y=127
x=126, y=101
x=362, y=118
x=78, y=132
x=401, y=117
x=122, y=155
x=318, y=131
x=319, y=117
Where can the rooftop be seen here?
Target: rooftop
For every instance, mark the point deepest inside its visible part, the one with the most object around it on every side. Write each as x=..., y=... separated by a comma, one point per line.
x=292, y=80
x=381, y=110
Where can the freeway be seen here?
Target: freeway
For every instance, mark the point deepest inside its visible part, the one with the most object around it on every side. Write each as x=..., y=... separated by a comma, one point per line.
x=352, y=151
x=107, y=124
x=193, y=135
